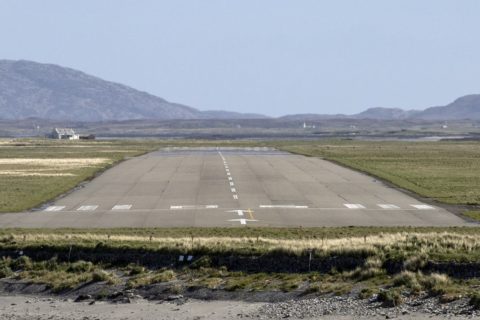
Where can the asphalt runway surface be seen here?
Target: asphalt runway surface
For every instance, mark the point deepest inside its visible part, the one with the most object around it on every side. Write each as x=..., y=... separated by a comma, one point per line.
x=227, y=187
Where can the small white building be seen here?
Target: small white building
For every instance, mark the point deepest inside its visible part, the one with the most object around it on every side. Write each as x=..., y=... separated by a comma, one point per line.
x=305, y=126
x=65, y=134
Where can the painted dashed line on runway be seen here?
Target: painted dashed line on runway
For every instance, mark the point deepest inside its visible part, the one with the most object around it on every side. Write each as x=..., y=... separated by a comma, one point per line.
x=208, y=206
x=229, y=176
x=290, y=206
x=122, y=207
x=354, y=206
x=351, y=206
x=388, y=206
x=88, y=208
x=55, y=208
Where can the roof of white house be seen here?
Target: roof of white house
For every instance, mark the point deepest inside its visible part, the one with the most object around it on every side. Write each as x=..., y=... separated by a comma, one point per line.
x=65, y=131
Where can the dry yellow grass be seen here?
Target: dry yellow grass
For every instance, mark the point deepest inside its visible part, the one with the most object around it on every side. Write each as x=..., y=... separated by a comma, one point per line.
x=54, y=162
x=39, y=167
x=422, y=242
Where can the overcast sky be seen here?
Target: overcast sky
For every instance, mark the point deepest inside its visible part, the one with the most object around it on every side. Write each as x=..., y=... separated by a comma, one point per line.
x=266, y=56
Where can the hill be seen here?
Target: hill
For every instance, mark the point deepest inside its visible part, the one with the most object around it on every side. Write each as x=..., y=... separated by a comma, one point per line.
x=35, y=90
x=466, y=107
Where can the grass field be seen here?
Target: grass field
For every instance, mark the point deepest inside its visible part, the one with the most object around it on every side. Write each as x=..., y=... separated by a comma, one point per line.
x=444, y=171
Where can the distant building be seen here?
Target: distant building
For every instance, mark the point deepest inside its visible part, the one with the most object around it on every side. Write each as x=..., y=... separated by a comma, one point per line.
x=305, y=126
x=64, y=134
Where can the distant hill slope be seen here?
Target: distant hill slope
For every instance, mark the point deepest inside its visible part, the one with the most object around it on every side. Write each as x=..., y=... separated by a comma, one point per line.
x=466, y=107
x=385, y=114
x=35, y=90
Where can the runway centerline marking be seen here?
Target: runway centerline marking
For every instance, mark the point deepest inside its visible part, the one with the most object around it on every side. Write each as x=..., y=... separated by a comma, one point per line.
x=232, y=184
x=354, y=206
x=55, y=208
x=235, y=197
x=122, y=207
x=233, y=189
x=87, y=208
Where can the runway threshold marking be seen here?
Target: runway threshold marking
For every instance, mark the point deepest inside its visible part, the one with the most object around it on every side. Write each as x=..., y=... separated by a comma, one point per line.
x=354, y=206
x=54, y=208
x=122, y=207
x=87, y=208
x=288, y=206
x=189, y=207
x=422, y=207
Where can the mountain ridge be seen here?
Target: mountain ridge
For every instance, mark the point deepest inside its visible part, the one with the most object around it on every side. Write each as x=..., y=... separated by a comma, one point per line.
x=48, y=91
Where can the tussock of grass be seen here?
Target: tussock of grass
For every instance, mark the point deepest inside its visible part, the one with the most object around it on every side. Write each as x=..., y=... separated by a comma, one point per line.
x=151, y=278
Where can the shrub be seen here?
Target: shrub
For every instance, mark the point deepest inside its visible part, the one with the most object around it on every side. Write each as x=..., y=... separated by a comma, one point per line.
x=409, y=280
x=22, y=263
x=367, y=293
x=135, y=269
x=5, y=272
x=80, y=266
x=416, y=262
x=390, y=298
x=102, y=275
x=475, y=300
x=436, y=283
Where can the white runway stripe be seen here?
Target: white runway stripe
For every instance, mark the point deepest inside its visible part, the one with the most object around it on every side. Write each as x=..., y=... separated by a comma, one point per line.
x=388, y=206
x=422, y=207
x=354, y=206
x=207, y=206
x=55, y=208
x=288, y=206
x=122, y=207
x=233, y=189
x=87, y=208
x=235, y=197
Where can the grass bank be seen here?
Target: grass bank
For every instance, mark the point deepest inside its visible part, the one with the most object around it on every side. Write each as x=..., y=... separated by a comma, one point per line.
x=389, y=262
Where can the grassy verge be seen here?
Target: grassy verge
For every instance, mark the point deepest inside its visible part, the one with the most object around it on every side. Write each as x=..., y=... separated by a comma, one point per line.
x=475, y=215
x=390, y=262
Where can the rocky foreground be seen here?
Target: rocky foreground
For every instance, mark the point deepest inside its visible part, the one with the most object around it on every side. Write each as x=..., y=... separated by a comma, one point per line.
x=16, y=307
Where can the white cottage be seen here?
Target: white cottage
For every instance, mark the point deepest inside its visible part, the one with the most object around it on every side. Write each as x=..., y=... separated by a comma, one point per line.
x=64, y=133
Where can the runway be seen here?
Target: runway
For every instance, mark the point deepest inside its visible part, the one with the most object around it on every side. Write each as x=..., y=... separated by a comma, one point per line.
x=227, y=187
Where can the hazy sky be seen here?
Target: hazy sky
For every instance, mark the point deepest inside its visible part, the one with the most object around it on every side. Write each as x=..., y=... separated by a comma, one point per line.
x=268, y=56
